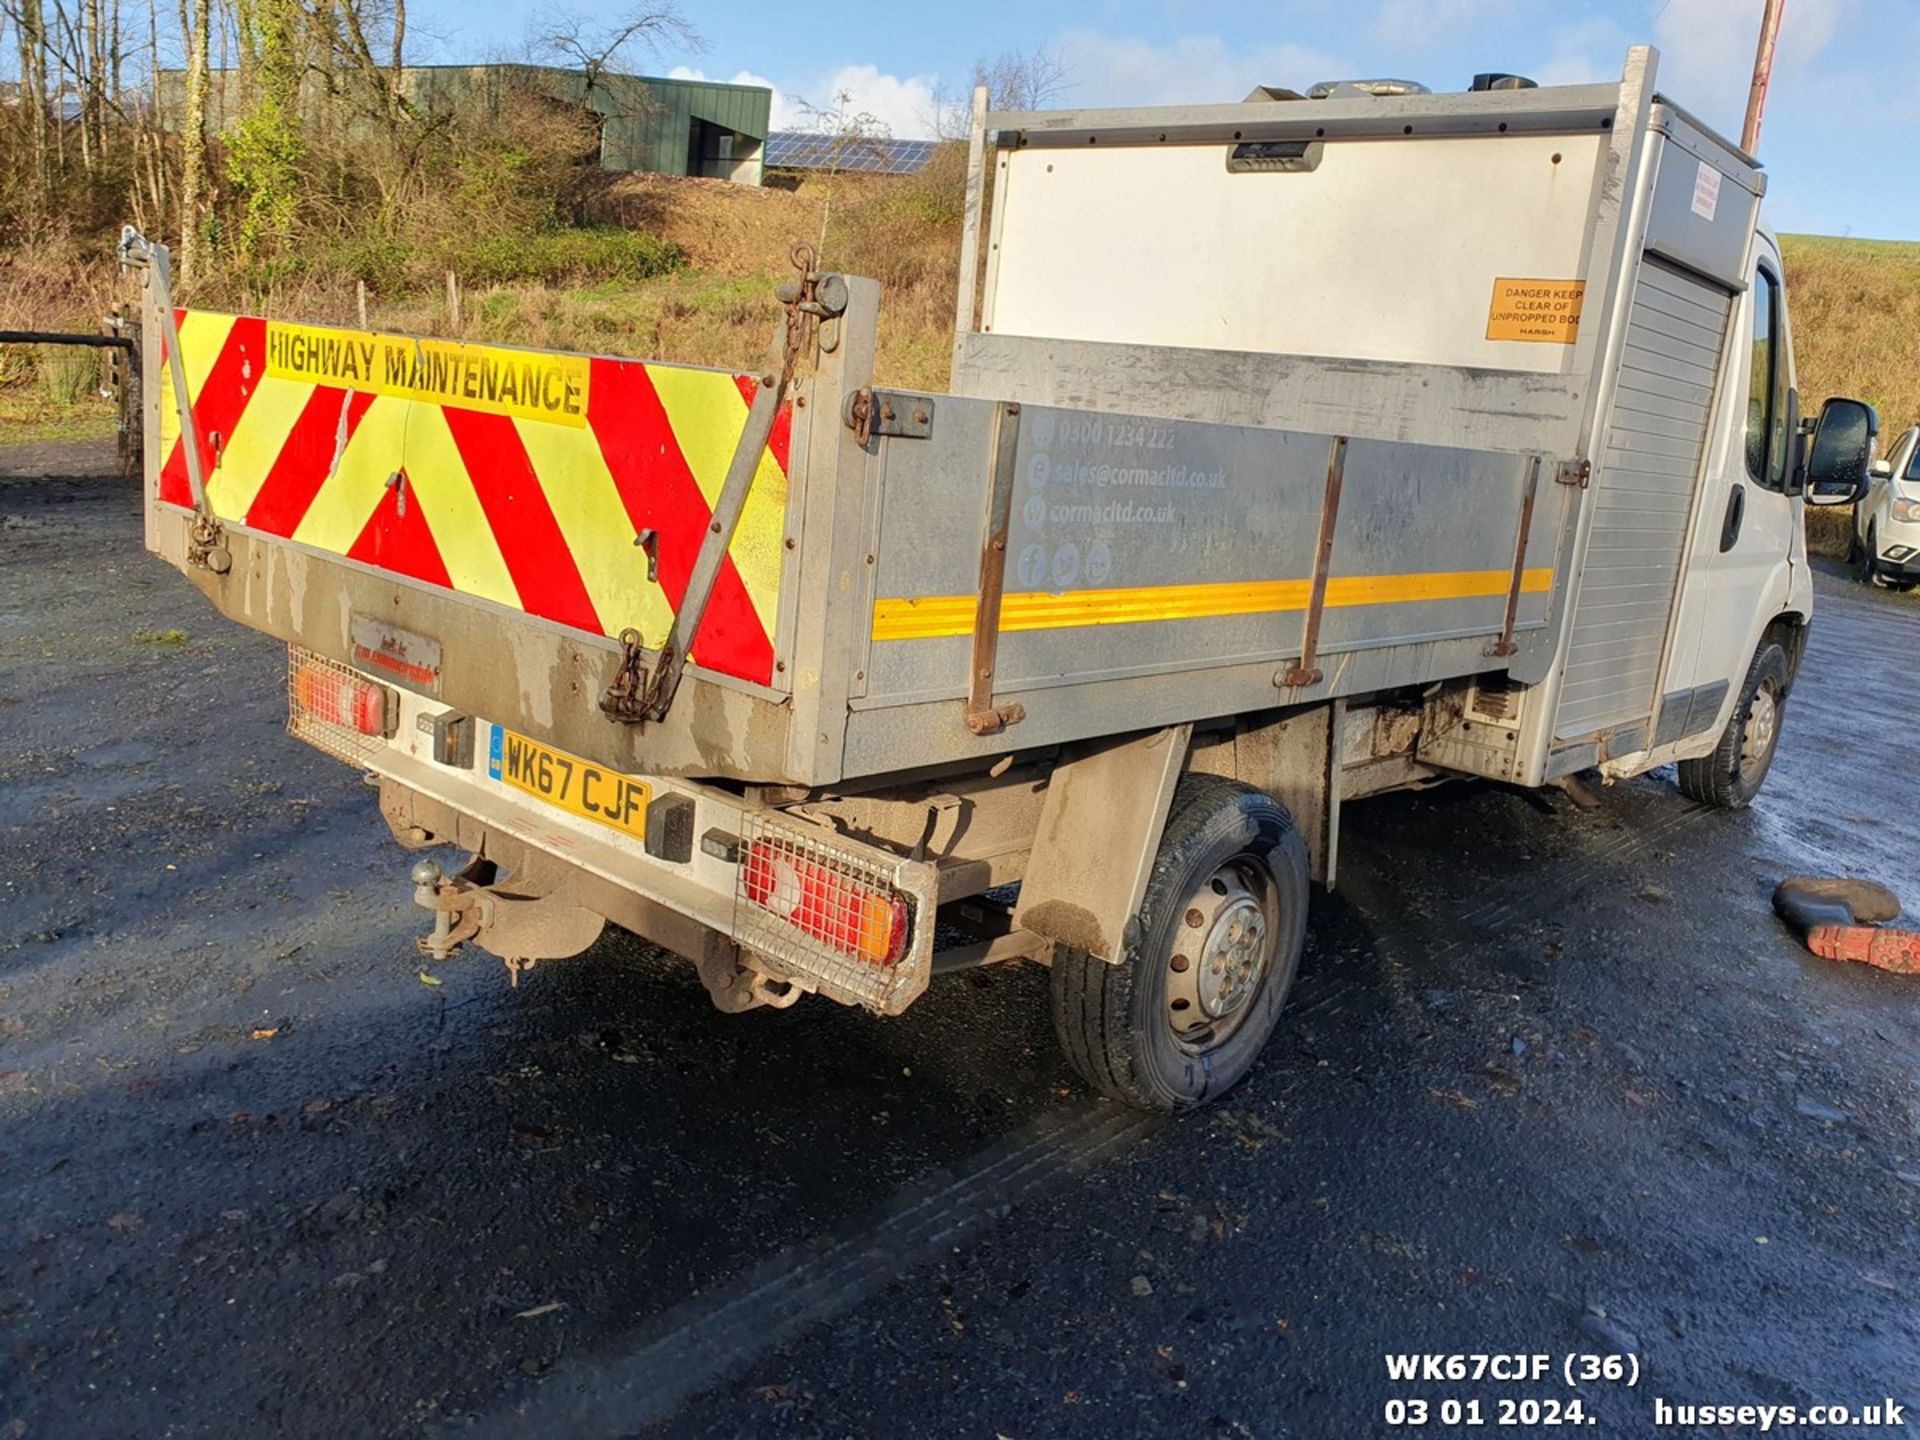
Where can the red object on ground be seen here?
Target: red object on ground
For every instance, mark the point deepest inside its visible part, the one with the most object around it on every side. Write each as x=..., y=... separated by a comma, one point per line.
x=1897, y=950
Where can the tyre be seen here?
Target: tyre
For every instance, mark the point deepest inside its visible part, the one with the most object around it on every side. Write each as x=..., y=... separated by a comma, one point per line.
x=1865, y=559
x=1181, y=1020
x=1732, y=775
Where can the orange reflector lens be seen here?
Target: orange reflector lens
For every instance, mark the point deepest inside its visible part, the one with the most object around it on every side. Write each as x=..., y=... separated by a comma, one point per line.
x=343, y=700
x=868, y=924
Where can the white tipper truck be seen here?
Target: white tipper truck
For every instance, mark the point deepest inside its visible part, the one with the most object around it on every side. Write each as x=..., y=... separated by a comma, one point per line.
x=1297, y=450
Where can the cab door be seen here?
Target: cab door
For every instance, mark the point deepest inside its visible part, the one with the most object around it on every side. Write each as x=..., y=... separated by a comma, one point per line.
x=1748, y=560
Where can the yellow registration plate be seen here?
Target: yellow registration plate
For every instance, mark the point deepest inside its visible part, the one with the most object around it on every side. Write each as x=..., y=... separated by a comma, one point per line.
x=569, y=783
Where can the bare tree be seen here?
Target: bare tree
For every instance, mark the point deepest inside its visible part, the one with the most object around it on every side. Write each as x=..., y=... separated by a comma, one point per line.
x=593, y=46
x=1014, y=80
x=852, y=136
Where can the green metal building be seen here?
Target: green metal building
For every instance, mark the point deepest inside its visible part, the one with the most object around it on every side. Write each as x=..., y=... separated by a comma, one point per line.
x=669, y=127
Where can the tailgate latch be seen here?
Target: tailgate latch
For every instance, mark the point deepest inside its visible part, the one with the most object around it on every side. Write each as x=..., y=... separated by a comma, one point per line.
x=627, y=699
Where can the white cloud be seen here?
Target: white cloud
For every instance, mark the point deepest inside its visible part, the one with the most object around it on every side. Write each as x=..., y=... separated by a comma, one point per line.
x=1193, y=69
x=903, y=104
x=783, y=107
x=1706, y=51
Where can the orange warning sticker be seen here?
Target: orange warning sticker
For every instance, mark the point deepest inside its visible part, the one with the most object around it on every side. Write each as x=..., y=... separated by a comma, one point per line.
x=1544, y=311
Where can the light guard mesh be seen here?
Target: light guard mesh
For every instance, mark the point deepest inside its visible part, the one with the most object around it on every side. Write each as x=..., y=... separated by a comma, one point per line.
x=834, y=972
x=311, y=715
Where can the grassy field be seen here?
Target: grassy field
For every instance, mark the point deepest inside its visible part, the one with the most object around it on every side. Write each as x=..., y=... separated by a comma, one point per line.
x=52, y=393
x=1855, y=303
x=1855, y=308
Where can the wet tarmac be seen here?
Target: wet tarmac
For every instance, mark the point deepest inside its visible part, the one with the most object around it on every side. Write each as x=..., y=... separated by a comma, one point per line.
x=1551, y=1081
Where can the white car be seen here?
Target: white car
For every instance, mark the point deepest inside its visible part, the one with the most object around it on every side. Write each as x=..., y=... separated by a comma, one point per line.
x=1886, y=525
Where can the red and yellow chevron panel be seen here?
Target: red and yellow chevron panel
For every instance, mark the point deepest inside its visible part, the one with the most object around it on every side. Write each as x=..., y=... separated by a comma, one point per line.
x=517, y=476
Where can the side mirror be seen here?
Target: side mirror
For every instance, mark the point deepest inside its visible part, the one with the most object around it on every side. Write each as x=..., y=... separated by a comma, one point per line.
x=1842, y=453
x=1881, y=470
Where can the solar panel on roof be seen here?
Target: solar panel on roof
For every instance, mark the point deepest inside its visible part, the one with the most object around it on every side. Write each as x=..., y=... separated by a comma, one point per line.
x=863, y=154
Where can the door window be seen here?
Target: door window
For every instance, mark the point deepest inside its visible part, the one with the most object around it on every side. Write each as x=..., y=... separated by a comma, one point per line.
x=1767, y=389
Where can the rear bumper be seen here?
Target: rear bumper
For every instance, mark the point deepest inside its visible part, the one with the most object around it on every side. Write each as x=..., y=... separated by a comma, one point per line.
x=676, y=902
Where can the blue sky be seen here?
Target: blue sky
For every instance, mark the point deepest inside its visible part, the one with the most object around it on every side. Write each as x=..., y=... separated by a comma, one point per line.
x=1842, y=133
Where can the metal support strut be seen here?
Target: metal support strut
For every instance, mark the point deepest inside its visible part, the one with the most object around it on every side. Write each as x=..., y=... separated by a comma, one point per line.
x=208, y=549
x=637, y=694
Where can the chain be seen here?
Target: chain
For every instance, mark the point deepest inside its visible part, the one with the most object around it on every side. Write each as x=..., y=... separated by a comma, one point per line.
x=803, y=309
x=630, y=681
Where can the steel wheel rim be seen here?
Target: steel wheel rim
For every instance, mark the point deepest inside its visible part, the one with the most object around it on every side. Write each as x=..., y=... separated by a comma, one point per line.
x=1223, y=948
x=1759, y=732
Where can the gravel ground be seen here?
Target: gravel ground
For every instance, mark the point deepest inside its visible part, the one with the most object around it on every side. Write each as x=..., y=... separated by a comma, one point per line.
x=1551, y=1081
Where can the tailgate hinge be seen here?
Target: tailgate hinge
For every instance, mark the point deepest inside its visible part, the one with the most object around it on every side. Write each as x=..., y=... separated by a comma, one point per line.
x=886, y=413
x=1577, y=473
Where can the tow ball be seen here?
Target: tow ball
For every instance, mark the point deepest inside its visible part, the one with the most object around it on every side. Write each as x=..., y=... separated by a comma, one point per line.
x=519, y=926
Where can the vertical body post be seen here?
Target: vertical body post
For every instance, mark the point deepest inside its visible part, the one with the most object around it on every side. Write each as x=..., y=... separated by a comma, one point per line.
x=1504, y=646
x=983, y=717
x=1307, y=672
x=975, y=215
x=830, y=492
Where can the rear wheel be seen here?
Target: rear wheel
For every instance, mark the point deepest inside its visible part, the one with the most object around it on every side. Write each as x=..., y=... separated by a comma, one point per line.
x=1183, y=1017
x=1732, y=775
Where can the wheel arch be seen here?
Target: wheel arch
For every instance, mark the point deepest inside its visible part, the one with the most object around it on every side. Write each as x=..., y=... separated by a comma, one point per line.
x=1790, y=628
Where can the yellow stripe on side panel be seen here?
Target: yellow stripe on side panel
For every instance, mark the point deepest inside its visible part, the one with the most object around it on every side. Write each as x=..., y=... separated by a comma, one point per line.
x=599, y=533
x=935, y=617
x=708, y=412
x=248, y=454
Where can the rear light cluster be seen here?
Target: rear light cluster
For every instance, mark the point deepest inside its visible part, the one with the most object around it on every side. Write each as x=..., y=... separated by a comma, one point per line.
x=342, y=699
x=337, y=710
x=858, y=918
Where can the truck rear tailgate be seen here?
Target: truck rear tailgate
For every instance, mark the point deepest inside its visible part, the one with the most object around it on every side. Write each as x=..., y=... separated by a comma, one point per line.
x=524, y=479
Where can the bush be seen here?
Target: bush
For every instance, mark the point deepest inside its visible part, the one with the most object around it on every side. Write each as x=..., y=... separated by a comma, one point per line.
x=382, y=261
x=557, y=257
